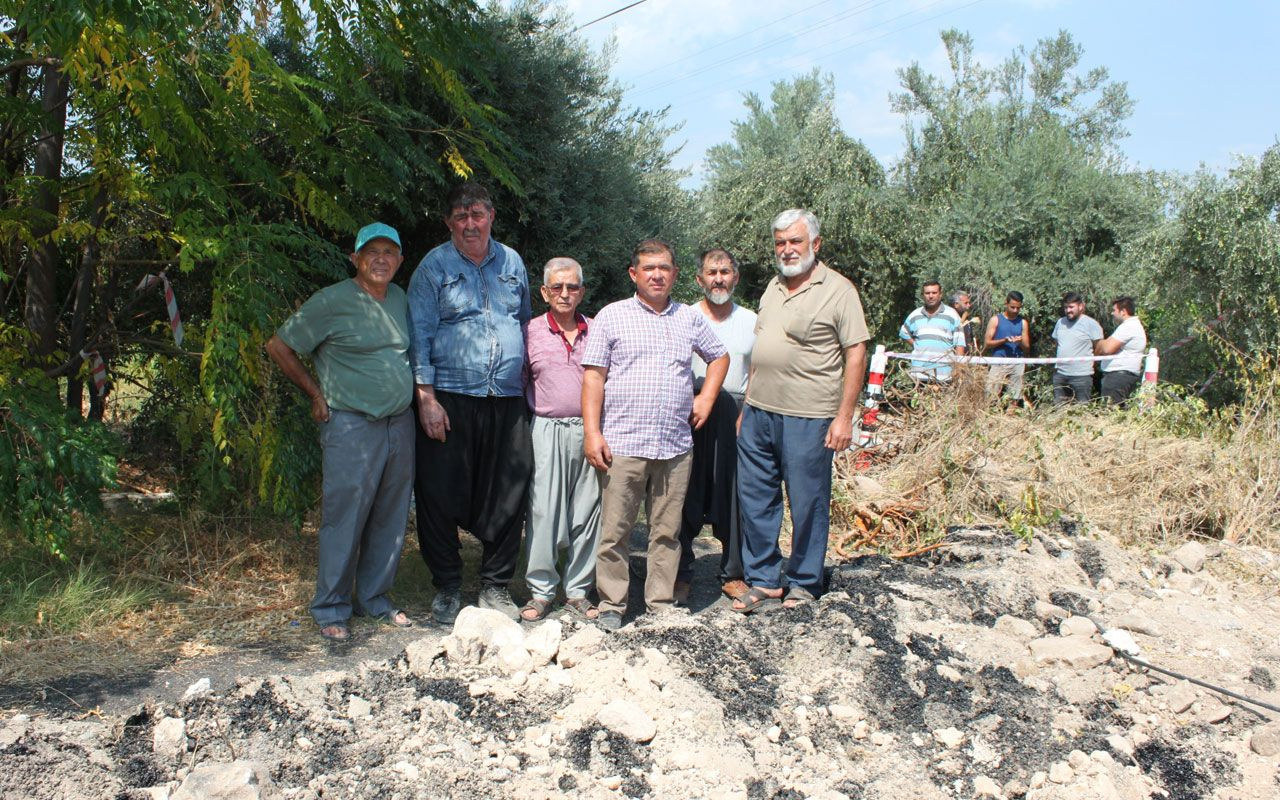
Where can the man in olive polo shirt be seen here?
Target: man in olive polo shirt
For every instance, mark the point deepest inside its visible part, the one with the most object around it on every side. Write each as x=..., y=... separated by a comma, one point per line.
x=357, y=332
x=807, y=370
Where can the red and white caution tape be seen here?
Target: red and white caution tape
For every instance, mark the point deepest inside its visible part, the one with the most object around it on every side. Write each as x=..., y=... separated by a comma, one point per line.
x=955, y=359
x=97, y=370
x=170, y=302
x=1191, y=337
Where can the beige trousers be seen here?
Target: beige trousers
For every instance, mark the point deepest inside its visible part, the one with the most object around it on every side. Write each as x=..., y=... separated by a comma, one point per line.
x=661, y=485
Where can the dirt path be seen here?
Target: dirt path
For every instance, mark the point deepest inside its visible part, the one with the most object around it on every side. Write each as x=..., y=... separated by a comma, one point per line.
x=975, y=673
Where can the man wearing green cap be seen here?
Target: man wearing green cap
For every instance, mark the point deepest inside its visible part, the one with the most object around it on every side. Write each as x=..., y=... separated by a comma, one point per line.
x=357, y=333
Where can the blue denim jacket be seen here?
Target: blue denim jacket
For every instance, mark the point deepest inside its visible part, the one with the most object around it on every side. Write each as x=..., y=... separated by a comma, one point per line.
x=465, y=321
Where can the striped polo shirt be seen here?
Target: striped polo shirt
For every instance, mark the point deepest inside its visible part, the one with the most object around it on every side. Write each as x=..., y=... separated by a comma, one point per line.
x=940, y=332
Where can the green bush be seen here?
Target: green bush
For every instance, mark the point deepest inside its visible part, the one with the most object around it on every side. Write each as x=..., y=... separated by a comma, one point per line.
x=53, y=465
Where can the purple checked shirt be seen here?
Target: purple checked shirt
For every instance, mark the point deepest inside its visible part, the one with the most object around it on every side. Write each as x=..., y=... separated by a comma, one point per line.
x=648, y=393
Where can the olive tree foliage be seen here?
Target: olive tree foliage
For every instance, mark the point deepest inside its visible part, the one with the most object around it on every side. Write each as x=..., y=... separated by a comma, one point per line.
x=236, y=146
x=1015, y=172
x=595, y=176
x=791, y=152
x=1215, y=264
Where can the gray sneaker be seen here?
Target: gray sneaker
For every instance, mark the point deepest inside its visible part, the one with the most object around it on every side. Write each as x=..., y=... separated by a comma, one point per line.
x=446, y=605
x=609, y=620
x=497, y=598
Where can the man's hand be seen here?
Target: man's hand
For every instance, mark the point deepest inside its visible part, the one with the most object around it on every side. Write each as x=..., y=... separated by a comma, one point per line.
x=319, y=409
x=596, y=449
x=701, y=410
x=839, y=434
x=432, y=416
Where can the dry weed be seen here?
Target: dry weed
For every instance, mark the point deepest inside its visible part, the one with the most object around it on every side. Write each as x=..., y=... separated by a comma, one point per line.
x=960, y=461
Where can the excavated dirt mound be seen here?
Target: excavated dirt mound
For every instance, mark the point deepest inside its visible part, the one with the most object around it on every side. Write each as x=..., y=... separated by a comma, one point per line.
x=978, y=673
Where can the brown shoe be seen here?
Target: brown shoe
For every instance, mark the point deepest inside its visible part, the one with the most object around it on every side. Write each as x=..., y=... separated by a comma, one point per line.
x=734, y=588
x=681, y=593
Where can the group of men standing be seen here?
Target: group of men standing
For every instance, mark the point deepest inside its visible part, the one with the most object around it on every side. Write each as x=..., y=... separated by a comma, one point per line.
x=936, y=329
x=562, y=426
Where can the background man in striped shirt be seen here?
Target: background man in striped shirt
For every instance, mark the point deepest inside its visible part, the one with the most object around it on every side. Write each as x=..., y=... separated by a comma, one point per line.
x=933, y=329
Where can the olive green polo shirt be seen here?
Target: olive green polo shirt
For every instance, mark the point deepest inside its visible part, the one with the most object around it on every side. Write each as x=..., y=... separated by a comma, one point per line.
x=797, y=365
x=360, y=346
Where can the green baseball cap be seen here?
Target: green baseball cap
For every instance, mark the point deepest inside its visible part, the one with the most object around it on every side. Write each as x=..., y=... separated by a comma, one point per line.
x=376, y=230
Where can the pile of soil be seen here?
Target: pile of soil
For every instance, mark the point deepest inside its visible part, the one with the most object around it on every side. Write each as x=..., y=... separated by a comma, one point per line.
x=978, y=672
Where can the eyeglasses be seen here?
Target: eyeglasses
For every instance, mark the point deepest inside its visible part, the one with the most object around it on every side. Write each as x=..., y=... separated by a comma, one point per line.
x=559, y=288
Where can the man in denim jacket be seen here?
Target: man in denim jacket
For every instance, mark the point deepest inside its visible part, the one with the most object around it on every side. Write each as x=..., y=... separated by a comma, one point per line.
x=468, y=299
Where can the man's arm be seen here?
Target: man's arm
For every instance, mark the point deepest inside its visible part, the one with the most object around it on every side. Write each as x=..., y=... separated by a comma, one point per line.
x=594, y=447
x=1026, y=337
x=296, y=371
x=840, y=433
x=431, y=415
x=706, y=398
x=904, y=333
x=990, y=341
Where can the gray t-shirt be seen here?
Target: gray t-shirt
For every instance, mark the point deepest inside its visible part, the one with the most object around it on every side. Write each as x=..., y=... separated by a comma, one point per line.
x=1076, y=338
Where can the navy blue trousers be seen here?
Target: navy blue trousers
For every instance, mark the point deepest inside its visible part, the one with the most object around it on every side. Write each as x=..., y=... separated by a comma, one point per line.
x=774, y=449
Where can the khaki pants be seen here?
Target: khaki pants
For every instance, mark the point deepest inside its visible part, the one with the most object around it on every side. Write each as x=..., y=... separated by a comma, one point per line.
x=628, y=483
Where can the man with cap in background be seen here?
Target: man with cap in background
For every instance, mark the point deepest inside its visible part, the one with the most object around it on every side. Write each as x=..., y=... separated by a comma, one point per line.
x=357, y=333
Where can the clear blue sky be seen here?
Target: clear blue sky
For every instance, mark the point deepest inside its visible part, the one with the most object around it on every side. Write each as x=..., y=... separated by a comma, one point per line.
x=1204, y=75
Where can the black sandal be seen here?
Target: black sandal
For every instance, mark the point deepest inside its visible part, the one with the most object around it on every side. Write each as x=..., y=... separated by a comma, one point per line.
x=756, y=599
x=540, y=608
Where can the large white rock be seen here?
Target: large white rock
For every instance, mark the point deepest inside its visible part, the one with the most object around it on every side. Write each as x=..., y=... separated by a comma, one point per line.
x=1077, y=652
x=197, y=690
x=1017, y=627
x=239, y=780
x=1265, y=740
x=478, y=632
x=422, y=652
x=628, y=719
x=1077, y=626
x=985, y=787
x=543, y=642
x=1190, y=556
x=169, y=739
x=1138, y=623
x=580, y=646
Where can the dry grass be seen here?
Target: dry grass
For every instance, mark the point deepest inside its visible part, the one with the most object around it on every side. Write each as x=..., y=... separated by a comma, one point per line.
x=181, y=585
x=959, y=461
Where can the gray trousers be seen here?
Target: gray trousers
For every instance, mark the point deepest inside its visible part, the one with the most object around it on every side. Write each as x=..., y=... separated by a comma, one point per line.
x=564, y=511
x=368, y=479
x=1072, y=388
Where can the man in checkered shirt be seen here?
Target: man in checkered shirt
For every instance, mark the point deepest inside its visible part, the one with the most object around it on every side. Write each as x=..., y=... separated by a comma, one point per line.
x=639, y=413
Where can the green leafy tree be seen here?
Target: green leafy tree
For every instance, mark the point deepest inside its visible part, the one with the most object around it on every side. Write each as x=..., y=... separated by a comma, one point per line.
x=1216, y=267
x=791, y=152
x=1015, y=175
x=175, y=135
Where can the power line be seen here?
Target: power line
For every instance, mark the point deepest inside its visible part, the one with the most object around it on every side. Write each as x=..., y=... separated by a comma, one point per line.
x=610, y=14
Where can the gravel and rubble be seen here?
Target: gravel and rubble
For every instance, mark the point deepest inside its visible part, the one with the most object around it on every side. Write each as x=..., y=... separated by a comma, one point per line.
x=979, y=672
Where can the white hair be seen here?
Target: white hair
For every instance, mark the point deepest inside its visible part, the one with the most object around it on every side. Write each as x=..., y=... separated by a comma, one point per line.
x=793, y=215
x=560, y=264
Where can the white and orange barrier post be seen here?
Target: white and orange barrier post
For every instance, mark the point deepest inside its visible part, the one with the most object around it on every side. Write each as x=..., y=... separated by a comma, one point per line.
x=1150, y=374
x=871, y=406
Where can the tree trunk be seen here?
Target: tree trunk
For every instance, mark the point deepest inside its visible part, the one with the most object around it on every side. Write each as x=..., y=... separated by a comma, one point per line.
x=42, y=265
x=85, y=282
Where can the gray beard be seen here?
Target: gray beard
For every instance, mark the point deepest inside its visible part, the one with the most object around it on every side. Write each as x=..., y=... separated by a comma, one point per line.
x=802, y=267
x=717, y=297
